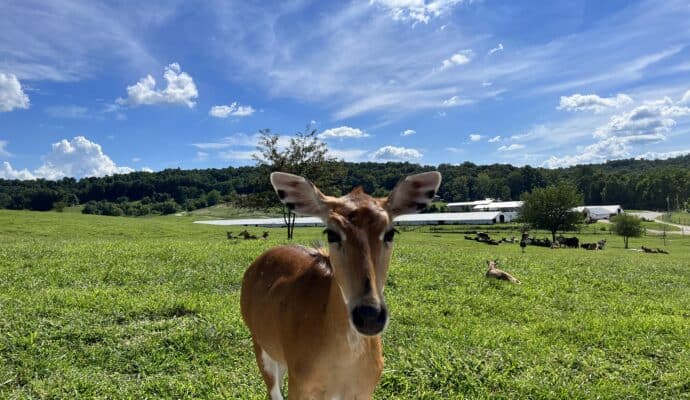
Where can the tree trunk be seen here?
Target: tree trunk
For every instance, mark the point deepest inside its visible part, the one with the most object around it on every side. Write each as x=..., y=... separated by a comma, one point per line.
x=553, y=236
x=625, y=238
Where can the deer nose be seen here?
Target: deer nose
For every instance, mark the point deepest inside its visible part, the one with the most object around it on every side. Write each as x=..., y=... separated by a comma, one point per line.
x=369, y=320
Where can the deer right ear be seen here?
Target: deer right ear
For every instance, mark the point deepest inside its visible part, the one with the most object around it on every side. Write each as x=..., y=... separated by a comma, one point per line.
x=299, y=194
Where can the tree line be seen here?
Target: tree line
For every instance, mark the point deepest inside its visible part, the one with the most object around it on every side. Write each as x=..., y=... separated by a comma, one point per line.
x=634, y=184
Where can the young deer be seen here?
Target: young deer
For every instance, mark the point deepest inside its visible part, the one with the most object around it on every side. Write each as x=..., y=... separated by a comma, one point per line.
x=319, y=315
x=496, y=273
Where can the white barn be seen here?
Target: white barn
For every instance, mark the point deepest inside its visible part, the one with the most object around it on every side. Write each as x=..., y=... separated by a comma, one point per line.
x=596, y=213
x=469, y=218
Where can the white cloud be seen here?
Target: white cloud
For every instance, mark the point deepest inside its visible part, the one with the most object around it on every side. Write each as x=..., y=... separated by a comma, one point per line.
x=475, y=137
x=238, y=139
x=180, y=89
x=146, y=169
x=70, y=111
x=654, y=117
x=495, y=139
x=3, y=151
x=653, y=155
x=77, y=158
x=487, y=84
x=351, y=155
x=343, y=132
x=512, y=147
x=592, y=102
x=496, y=49
x=455, y=101
x=686, y=98
x=11, y=94
x=234, y=109
x=416, y=10
x=236, y=155
x=609, y=148
x=202, y=155
x=394, y=153
x=460, y=58
x=7, y=172
x=408, y=132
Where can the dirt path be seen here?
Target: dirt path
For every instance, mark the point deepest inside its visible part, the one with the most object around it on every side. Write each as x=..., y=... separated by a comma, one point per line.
x=656, y=217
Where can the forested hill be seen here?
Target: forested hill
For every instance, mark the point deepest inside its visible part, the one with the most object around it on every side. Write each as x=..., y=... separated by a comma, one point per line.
x=635, y=184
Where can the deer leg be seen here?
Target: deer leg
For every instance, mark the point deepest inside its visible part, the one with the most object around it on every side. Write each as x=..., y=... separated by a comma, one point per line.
x=271, y=370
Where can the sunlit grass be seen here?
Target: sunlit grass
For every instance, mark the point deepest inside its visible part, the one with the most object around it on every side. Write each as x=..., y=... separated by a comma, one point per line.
x=108, y=307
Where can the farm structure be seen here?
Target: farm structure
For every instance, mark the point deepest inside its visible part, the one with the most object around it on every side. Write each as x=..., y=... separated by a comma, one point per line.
x=596, y=213
x=468, y=218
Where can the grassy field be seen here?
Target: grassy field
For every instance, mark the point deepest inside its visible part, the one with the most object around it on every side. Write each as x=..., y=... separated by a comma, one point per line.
x=108, y=307
x=681, y=218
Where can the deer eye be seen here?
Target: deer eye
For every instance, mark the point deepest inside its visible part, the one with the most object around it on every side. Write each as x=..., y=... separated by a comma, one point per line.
x=333, y=236
x=388, y=236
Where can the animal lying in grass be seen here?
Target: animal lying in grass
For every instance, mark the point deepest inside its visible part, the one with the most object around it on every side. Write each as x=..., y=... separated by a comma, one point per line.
x=318, y=315
x=496, y=273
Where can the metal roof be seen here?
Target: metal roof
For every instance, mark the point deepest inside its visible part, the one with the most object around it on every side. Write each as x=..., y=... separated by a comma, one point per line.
x=411, y=219
x=498, y=205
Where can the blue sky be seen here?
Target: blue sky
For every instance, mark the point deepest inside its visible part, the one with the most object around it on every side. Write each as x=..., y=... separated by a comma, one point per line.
x=90, y=88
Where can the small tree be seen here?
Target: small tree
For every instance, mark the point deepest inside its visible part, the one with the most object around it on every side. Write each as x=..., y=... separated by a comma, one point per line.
x=628, y=226
x=304, y=155
x=551, y=208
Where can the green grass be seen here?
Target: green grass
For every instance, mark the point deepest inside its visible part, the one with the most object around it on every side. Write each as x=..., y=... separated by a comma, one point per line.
x=107, y=307
x=657, y=226
x=681, y=218
x=228, y=210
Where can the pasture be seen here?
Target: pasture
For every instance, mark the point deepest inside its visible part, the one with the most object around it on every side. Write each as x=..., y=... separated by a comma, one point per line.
x=107, y=307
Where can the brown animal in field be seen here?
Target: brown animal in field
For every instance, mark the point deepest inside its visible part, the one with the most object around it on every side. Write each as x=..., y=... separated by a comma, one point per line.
x=318, y=315
x=496, y=273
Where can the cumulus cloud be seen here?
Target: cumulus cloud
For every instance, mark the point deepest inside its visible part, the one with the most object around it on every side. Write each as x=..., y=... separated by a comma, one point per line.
x=592, y=102
x=7, y=172
x=599, y=152
x=408, y=132
x=496, y=49
x=394, y=153
x=475, y=137
x=653, y=155
x=12, y=95
x=343, y=132
x=180, y=89
x=512, y=147
x=416, y=10
x=495, y=139
x=234, y=110
x=654, y=117
x=460, y=58
x=77, y=158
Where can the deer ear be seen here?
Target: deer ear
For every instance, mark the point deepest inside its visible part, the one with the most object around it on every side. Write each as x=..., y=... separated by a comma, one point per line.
x=299, y=194
x=413, y=194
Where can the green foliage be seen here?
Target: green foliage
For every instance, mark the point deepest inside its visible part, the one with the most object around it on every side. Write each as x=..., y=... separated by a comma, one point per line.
x=550, y=208
x=628, y=226
x=97, y=307
x=634, y=184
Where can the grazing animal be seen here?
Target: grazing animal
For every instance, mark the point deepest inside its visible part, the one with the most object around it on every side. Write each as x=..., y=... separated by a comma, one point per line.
x=230, y=236
x=496, y=273
x=572, y=242
x=264, y=235
x=319, y=315
x=601, y=244
x=589, y=246
x=247, y=235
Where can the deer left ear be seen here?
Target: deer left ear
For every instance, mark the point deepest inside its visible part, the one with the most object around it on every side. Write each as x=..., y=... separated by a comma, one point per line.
x=413, y=194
